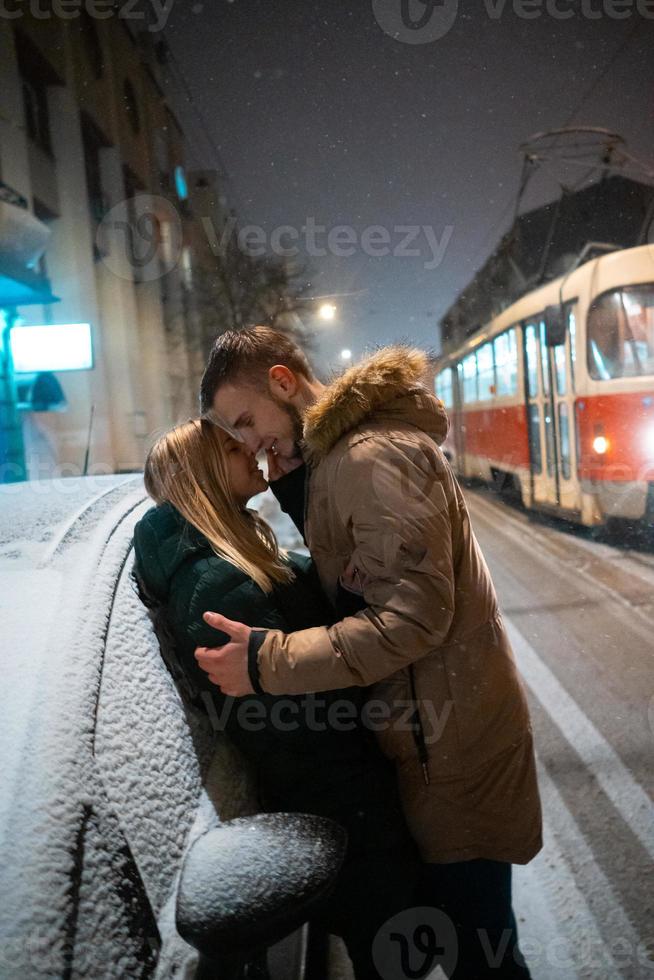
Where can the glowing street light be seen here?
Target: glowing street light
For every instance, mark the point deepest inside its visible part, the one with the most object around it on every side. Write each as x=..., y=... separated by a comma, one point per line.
x=327, y=311
x=346, y=354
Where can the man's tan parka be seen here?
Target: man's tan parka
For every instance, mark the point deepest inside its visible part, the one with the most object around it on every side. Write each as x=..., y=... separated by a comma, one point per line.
x=380, y=491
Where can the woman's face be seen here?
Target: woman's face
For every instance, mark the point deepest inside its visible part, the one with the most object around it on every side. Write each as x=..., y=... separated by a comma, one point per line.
x=245, y=477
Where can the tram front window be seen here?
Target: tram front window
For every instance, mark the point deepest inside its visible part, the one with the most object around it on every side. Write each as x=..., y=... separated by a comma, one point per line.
x=621, y=334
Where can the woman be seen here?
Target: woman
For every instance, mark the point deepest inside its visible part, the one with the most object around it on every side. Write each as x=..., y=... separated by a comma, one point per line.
x=201, y=549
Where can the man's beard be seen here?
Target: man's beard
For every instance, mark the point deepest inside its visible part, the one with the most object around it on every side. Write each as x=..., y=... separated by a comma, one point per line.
x=297, y=426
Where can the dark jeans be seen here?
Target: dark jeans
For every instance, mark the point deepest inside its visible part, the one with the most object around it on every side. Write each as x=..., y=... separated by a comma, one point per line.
x=476, y=896
x=380, y=875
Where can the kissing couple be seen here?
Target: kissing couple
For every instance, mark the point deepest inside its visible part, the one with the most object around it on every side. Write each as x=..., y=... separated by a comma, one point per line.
x=393, y=621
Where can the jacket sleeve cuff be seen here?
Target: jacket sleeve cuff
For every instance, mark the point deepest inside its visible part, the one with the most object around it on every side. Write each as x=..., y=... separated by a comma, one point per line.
x=254, y=645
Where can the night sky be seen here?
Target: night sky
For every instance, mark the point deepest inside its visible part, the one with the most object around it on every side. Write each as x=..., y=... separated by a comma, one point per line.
x=318, y=113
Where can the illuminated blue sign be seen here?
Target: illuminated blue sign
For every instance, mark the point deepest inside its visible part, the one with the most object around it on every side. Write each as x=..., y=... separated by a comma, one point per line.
x=181, y=185
x=52, y=347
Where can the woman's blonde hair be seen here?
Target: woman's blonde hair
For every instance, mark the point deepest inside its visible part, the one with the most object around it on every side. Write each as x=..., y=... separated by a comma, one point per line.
x=187, y=467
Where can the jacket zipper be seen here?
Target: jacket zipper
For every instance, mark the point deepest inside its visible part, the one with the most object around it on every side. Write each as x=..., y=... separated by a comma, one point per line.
x=306, y=500
x=418, y=730
x=416, y=720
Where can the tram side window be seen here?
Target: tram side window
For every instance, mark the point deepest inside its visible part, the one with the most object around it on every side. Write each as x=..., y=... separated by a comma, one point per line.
x=469, y=372
x=506, y=363
x=444, y=387
x=534, y=439
x=564, y=438
x=531, y=344
x=485, y=372
x=572, y=330
x=621, y=334
x=544, y=358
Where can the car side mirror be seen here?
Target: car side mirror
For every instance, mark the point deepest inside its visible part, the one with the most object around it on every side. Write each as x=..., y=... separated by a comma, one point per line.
x=249, y=882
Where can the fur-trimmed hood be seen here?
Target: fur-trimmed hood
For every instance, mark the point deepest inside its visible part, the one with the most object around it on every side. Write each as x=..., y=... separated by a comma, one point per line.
x=389, y=384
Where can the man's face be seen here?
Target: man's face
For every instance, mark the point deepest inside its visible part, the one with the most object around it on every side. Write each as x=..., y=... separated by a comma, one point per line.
x=263, y=421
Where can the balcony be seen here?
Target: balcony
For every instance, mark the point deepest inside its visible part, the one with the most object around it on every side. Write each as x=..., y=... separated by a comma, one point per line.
x=23, y=239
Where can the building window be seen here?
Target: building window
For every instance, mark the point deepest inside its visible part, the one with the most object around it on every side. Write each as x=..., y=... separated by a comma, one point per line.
x=92, y=46
x=143, y=232
x=93, y=142
x=187, y=267
x=131, y=107
x=37, y=116
x=36, y=74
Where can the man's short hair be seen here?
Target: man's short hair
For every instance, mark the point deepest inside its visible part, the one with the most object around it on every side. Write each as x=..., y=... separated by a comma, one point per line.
x=245, y=356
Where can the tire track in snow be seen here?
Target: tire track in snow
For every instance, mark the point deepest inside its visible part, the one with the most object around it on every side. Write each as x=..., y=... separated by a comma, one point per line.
x=573, y=919
x=600, y=758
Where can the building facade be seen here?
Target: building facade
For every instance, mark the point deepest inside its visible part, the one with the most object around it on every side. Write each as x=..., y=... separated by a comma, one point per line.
x=93, y=162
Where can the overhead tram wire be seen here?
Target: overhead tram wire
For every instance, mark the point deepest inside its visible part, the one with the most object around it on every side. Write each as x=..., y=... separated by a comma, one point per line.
x=604, y=72
x=513, y=204
x=514, y=200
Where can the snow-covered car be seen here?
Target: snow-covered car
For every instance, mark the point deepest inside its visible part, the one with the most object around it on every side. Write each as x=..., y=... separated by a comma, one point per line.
x=116, y=796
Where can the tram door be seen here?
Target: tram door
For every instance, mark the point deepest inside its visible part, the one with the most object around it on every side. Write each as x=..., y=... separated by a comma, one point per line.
x=549, y=380
x=562, y=384
x=540, y=417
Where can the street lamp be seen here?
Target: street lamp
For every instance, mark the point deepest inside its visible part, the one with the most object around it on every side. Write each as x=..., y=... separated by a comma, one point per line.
x=327, y=311
x=346, y=354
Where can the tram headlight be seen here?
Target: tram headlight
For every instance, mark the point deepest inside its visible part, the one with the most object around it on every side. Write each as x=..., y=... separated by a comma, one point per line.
x=600, y=445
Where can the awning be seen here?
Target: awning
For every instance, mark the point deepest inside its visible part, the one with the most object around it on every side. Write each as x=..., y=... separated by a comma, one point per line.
x=20, y=286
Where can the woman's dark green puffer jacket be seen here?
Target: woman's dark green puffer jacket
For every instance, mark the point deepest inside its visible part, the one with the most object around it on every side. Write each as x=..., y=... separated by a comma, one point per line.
x=301, y=762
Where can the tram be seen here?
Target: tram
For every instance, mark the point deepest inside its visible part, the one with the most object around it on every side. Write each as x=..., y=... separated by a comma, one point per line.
x=554, y=398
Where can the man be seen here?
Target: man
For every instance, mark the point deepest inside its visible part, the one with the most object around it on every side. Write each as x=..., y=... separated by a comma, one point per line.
x=382, y=499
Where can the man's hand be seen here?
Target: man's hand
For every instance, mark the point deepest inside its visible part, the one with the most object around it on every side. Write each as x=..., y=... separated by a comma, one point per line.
x=279, y=466
x=227, y=666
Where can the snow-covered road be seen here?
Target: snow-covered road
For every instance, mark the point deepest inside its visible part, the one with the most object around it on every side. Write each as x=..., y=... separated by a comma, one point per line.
x=581, y=618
